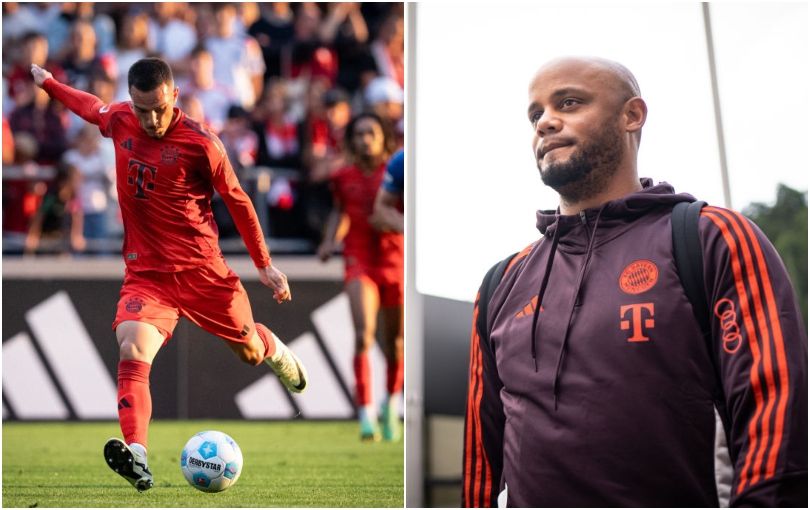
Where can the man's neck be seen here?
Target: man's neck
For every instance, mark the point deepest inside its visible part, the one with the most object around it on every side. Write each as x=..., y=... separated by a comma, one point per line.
x=621, y=186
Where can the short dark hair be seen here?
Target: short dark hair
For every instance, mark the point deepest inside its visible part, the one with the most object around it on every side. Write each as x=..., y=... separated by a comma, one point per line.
x=199, y=50
x=147, y=74
x=31, y=36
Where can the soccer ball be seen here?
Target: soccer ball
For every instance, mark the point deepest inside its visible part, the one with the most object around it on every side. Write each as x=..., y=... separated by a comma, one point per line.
x=211, y=461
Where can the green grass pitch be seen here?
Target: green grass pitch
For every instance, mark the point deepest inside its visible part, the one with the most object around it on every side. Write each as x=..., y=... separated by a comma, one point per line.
x=287, y=464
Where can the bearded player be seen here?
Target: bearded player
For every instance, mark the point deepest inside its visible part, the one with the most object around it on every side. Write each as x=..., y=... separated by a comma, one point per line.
x=167, y=168
x=374, y=269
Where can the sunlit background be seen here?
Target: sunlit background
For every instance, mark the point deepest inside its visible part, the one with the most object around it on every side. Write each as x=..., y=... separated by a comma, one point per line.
x=477, y=185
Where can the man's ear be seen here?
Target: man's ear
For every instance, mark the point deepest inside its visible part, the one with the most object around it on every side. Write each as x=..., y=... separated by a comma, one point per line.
x=635, y=114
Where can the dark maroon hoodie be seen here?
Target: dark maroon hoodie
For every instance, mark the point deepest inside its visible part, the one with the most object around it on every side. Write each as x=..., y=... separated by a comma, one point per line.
x=605, y=394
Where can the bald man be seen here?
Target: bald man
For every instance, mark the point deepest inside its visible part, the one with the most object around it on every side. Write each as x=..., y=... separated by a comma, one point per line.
x=591, y=380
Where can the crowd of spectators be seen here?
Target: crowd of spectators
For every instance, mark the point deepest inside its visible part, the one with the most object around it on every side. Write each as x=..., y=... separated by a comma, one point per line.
x=278, y=82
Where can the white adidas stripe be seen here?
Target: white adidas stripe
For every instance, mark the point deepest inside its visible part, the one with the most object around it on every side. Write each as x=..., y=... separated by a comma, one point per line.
x=26, y=383
x=73, y=357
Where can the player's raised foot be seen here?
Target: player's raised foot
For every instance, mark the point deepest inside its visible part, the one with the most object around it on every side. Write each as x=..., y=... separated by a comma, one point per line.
x=129, y=462
x=390, y=422
x=288, y=367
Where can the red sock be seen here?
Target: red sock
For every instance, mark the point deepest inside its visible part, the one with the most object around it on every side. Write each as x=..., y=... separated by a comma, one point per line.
x=394, y=376
x=134, y=400
x=267, y=339
x=362, y=379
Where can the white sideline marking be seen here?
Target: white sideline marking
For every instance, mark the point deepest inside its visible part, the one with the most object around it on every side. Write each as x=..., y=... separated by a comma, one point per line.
x=26, y=383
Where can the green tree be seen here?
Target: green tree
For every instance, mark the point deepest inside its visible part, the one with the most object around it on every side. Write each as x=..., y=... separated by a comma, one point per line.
x=785, y=224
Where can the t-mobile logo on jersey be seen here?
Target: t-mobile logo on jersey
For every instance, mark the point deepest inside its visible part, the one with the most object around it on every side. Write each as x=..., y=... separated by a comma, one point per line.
x=635, y=320
x=138, y=176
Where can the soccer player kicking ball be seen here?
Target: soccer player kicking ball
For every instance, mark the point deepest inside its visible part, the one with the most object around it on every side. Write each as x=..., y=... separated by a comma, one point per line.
x=167, y=168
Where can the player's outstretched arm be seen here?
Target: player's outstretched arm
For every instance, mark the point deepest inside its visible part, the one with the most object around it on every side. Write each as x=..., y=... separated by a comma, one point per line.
x=276, y=280
x=86, y=106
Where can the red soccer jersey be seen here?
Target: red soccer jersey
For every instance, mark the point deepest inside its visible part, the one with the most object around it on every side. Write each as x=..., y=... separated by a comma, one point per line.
x=355, y=192
x=165, y=187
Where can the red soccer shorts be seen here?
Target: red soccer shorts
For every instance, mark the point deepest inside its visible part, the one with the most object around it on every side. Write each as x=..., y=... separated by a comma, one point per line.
x=210, y=296
x=388, y=281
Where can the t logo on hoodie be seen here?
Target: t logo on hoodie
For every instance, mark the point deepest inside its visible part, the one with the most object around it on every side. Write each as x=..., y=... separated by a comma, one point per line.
x=635, y=320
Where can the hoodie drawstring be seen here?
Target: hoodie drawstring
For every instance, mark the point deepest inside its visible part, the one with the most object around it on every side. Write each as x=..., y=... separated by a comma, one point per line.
x=561, y=354
x=542, y=291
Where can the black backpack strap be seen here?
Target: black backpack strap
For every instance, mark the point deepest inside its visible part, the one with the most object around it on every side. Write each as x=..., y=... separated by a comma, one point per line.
x=689, y=259
x=488, y=286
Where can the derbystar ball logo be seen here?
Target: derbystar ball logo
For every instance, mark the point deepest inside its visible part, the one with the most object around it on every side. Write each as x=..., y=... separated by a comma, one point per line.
x=204, y=464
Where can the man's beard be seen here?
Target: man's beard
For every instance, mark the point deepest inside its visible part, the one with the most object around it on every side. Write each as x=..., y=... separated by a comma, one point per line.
x=587, y=171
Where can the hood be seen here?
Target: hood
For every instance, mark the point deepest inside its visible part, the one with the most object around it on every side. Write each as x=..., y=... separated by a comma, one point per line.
x=616, y=215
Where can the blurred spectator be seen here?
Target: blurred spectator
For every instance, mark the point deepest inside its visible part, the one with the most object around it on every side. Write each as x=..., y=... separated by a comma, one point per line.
x=238, y=62
x=344, y=18
x=385, y=98
x=279, y=145
x=248, y=14
x=273, y=31
x=95, y=176
x=34, y=48
x=132, y=46
x=45, y=122
x=241, y=144
x=59, y=216
x=345, y=29
x=82, y=62
x=170, y=36
x=215, y=97
x=60, y=27
x=324, y=153
x=308, y=57
x=19, y=19
x=240, y=141
x=104, y=88
x=21, y=197
x=193, y=108
x=389, y=49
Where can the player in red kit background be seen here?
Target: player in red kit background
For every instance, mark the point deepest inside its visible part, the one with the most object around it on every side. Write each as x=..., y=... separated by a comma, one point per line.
x=167, y=168
x=374, y=269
